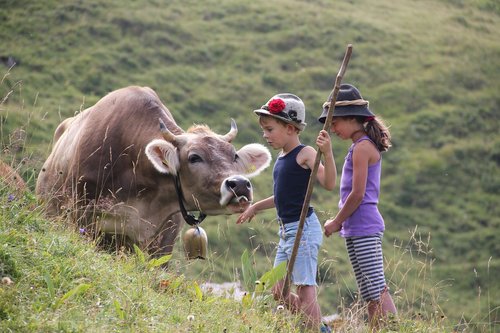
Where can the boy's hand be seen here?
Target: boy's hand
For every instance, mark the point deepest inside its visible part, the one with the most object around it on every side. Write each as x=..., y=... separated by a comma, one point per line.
x=324, y=143
x=332, y=226
x=247, y=215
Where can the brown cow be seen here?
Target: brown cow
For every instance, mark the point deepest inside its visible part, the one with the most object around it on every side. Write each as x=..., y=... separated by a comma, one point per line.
x=12, y=179
x=117, y=163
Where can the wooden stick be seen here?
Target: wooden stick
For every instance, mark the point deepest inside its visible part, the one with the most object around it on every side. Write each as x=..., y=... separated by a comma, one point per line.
x=312, y=179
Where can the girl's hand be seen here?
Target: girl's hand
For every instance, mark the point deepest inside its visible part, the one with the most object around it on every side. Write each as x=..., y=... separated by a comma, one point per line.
x=324, y=143
x=247, y=215
x=332, y=226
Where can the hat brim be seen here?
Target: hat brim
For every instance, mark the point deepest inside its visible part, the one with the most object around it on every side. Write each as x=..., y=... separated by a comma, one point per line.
x=300, y=126
x=347, y=111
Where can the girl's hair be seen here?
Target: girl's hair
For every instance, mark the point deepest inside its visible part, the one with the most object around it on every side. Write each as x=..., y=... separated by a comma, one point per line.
x=377, y=131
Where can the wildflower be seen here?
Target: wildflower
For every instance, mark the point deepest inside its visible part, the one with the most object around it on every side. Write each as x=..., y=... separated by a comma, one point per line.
x=82, y=231
x=280, y=308
x=11, y=198
x=257, y=282
x=190, y=317
x=164, y=284
x=6, y=280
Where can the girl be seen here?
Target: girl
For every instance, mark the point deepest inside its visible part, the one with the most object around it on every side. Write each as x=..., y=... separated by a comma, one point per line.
x=358, y=219
x=282, y=120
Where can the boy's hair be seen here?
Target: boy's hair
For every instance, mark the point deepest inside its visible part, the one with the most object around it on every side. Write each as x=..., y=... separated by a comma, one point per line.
x=284, y=123
x=377, y=131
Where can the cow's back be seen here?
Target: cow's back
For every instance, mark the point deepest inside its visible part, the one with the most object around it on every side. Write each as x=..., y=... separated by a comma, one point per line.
x=101, y=150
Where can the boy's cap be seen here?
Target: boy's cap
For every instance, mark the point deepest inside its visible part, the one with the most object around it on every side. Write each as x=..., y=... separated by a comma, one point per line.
x=286, y=107
x=349, y=103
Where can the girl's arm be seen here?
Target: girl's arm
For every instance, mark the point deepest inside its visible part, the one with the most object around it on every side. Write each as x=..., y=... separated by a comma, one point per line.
x=361, y=156
x=253, y=209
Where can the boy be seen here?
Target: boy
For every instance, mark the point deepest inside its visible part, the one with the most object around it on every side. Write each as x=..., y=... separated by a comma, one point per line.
x=282, y=120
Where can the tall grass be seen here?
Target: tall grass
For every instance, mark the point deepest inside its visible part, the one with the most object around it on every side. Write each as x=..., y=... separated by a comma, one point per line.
x=56, y=279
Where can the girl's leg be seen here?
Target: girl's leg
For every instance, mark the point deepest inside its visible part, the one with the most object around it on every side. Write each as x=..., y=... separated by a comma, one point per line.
x=387, y=304
x=366, y=258
x=379, y=309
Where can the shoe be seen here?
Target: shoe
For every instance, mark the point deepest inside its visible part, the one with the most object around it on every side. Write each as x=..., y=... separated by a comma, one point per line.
x=325, y=329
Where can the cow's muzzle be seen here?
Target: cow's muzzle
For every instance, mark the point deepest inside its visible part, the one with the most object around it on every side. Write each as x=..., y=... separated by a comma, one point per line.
x=236, y=190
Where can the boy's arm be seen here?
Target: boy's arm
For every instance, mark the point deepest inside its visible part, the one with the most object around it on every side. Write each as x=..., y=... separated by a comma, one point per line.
x=327, y=173
x=253, y=209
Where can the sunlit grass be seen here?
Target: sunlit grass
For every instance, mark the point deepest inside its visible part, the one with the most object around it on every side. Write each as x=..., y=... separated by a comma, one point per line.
x=59, y=279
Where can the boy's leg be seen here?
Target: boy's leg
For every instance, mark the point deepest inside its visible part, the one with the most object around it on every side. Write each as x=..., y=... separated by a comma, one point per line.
x=309, y=305
x=291, y=300
x=305, y=302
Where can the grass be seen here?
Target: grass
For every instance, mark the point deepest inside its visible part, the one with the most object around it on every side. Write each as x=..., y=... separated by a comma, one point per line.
x=62, y=282
x=59, y=280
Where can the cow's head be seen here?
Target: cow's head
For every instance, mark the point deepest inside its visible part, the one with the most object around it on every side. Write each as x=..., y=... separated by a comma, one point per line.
x=214, y=176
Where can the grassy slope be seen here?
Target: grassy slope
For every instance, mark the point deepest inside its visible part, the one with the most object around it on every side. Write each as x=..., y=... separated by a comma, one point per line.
x=429, y=67
x=61, y=283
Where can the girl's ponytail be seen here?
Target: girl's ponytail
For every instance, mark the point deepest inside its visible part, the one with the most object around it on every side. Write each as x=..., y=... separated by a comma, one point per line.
x=378, y=132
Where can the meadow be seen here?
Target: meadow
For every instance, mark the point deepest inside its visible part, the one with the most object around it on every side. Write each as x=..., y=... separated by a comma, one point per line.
x=429, y=68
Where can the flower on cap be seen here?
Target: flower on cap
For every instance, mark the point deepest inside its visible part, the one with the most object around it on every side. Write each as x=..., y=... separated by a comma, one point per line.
x=276, y=105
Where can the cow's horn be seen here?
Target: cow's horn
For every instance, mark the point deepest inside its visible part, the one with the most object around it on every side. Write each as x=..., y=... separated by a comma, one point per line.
x=167, y=135
x=232, y=133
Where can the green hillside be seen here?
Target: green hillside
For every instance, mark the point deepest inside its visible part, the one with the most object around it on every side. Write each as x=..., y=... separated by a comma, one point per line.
x=429, y=68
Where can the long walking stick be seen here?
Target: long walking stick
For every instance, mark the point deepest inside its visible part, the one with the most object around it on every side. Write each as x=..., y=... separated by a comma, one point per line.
x=332, y=99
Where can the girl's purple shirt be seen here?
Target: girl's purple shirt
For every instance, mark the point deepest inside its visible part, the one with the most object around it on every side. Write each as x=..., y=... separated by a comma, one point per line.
x=366, y=219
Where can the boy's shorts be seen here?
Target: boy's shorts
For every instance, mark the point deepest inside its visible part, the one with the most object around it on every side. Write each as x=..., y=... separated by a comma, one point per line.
x=306, y=261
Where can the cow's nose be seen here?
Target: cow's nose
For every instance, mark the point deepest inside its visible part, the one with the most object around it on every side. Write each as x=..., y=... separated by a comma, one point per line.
x=241, y=188
x=236, y=190
x=239, y=185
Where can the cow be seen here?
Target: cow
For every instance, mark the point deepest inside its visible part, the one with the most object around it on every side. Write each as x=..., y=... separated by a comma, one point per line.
x=124, y=167
x=11, y=178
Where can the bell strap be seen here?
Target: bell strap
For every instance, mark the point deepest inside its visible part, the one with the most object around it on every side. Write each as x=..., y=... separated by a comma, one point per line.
x=189, y=218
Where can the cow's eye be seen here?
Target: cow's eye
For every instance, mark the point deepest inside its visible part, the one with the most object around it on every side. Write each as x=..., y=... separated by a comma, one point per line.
x=194, y=158
x=236, y=157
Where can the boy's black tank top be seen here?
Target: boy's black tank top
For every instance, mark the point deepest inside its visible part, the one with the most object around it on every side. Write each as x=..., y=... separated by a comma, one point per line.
x=290, y=186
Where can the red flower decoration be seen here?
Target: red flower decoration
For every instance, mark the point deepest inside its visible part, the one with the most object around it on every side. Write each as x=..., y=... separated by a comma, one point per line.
x=276, y=105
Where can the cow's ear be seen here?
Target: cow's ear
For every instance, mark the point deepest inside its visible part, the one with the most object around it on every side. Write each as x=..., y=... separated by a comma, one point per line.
x=163, y=155
x=253, y=158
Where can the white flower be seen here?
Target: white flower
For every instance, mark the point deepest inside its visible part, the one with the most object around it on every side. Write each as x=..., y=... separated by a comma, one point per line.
x=6, y=280
x=190, y=317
